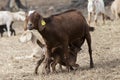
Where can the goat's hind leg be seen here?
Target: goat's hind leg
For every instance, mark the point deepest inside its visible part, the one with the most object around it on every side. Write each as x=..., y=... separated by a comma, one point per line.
x=116, y=15
x=88, y=38
x=2, y=33
x=60, y=67
x=13, y=32
x=103, y=18
x=54, y=63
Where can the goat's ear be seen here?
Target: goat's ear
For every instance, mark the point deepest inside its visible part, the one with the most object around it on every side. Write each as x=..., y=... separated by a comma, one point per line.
x=43, y=22
x=48, y=19
x=26, y=36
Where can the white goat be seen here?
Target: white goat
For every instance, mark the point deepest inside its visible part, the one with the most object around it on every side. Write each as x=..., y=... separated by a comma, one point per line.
x=96, y=7
x=7, y=18
x=38, y=48
x=115, y=8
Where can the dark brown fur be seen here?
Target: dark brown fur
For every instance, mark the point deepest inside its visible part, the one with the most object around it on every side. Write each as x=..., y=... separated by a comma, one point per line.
x=58, y=58
x=62, y=29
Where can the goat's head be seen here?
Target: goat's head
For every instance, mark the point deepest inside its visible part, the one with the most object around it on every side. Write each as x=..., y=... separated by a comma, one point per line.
x=20, y=16
x=26, y=36
x=35, y=21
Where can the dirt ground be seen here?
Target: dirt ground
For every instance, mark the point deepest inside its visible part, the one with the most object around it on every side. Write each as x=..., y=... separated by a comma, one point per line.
x=106, y=53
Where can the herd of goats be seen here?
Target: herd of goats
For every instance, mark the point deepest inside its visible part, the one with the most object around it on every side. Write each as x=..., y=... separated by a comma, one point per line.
x=63, y=34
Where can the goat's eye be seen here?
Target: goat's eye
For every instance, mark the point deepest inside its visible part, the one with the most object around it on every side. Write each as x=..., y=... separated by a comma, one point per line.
x=29, y=24
x=24, y=34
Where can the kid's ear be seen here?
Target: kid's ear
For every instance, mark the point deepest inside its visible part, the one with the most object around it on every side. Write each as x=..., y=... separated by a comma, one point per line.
x=29, y=36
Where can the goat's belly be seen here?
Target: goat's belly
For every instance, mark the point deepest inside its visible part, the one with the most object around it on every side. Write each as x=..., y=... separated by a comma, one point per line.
x=2, y=22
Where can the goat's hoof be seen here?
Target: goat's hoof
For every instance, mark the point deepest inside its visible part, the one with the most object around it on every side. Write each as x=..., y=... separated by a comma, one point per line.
x=60, y=70
x=55, y=72
x=92, y=66
x=36, y=73
x=76, y=66
x=46, y=71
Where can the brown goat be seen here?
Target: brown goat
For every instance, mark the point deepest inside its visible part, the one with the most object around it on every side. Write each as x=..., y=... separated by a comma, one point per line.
x=61, y=29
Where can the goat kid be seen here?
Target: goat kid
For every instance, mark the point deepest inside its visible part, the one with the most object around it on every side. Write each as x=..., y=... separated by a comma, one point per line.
x=7, y=17
x=57, y=57
x=37, y=47
x=96, y=8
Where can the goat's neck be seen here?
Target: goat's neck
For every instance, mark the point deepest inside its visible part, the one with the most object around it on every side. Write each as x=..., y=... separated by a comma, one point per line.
x=34, y=40
x=43, y=33
x=17, y=17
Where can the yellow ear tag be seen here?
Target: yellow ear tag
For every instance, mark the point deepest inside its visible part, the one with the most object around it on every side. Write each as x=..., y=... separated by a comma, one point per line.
x=43, y=23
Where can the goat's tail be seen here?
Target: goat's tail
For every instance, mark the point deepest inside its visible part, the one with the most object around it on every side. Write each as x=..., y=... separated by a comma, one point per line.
x=91, y=28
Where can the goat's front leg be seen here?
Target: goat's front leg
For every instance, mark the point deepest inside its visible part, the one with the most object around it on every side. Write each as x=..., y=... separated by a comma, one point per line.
x=89, y=17
x=47, y=61
x=8, y=29
x=95, y=20
x=66, y=54
x=39, y=63
x=53, y=65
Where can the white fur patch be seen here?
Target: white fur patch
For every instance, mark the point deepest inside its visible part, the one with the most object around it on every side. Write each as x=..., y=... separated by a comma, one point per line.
x=26, y=36
x=44, y=49
x=30, y=12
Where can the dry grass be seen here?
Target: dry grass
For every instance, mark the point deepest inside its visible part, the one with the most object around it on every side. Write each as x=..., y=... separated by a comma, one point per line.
x=106, y=52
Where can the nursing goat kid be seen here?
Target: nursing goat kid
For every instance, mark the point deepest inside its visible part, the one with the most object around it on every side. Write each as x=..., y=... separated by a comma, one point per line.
x=6, y=18
x=57, y=57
